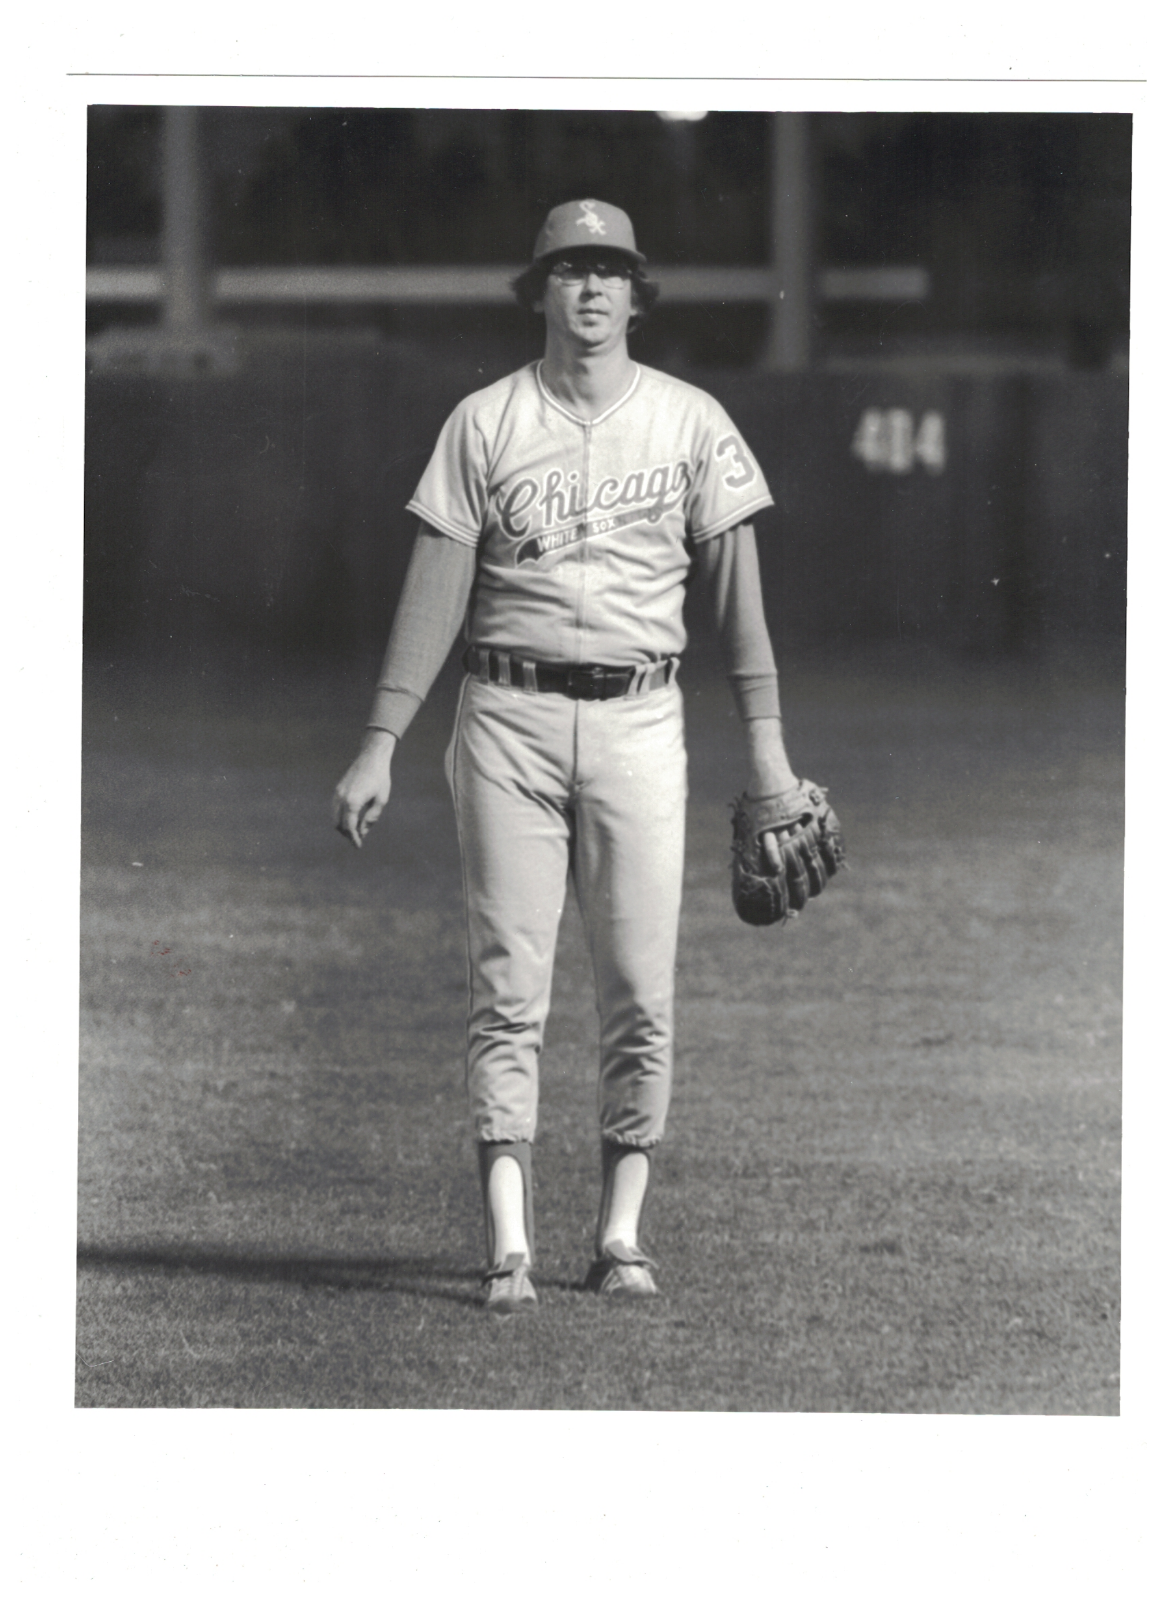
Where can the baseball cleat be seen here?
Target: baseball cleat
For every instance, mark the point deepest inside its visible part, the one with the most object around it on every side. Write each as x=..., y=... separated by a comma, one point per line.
x=509, y=1288
x=622, y=1272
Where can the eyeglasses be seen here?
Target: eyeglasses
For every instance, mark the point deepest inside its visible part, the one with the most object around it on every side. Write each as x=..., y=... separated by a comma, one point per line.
x=567, y=271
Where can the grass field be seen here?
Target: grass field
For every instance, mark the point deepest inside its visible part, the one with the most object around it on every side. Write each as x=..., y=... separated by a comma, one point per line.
x=910, y=1203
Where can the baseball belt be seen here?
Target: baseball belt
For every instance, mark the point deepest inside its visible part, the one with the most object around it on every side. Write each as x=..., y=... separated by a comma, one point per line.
x=582, y=682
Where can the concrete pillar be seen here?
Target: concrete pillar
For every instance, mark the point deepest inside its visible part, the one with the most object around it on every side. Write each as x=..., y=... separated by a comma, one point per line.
x=188, y=342
x=184, y=255
x=789, y=344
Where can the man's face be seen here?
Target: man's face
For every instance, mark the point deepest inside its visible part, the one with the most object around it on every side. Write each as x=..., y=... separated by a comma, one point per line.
x=588, y=299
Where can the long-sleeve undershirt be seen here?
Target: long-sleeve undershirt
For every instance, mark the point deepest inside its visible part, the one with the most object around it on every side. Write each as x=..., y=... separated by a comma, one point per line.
x=438, y=587
x=729, y=566
x=428, y=619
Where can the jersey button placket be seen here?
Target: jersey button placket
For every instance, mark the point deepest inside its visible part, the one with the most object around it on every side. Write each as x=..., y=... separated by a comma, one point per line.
x=583, y=542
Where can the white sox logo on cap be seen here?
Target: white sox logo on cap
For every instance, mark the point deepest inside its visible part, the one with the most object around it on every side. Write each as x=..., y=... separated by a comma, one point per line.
x=589, y=218
x=599, y=220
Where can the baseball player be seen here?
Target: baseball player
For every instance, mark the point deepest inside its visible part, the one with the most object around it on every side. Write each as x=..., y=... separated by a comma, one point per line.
x=562, y=516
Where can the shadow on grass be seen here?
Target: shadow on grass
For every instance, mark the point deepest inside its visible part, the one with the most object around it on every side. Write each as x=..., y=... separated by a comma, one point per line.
x=432, y=1277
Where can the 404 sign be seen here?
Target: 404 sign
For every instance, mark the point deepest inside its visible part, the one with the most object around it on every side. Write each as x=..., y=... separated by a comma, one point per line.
x=893, y=441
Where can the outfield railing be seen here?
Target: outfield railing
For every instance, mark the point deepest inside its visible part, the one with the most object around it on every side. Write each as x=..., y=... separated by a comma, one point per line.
x=486, y=285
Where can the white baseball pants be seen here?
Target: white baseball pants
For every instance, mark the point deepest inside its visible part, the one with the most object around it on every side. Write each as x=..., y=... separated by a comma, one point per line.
x=547, y=788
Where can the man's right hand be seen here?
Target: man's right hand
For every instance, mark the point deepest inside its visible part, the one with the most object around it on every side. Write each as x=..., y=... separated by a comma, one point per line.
x=362, y=793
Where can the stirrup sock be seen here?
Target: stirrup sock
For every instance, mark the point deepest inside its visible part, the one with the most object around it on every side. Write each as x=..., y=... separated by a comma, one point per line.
x=521, y=1151
x=611, y=1155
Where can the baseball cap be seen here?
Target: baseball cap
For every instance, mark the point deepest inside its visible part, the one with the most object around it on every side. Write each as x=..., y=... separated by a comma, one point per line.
x=589, y=223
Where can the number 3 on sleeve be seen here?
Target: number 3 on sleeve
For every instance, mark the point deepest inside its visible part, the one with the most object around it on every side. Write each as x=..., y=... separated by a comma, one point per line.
x=743, y=473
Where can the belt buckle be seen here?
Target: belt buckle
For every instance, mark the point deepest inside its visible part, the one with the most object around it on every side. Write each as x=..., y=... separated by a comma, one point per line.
x=586, y=683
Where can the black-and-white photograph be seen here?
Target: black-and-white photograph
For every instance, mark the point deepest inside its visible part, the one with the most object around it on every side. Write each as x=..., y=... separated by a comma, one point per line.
x=602, y=760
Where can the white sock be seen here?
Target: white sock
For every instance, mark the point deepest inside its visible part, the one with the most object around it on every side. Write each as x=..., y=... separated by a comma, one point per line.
x=507, y=1209
x=626, y=1191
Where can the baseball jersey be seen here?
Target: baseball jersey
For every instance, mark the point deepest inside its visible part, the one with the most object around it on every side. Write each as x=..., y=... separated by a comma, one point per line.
x=584, y=527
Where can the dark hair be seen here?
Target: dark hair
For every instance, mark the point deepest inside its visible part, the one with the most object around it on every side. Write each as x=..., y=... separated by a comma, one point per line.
x=529, y=287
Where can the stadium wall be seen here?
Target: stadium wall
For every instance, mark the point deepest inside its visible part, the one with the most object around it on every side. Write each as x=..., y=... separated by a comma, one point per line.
x=980, y=514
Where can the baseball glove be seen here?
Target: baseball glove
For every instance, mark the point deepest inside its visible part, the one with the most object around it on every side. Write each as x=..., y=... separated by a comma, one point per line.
x=784, y=850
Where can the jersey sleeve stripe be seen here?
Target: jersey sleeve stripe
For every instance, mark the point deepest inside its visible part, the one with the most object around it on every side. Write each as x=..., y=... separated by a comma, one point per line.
x=442, y=524
x=733, y=518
